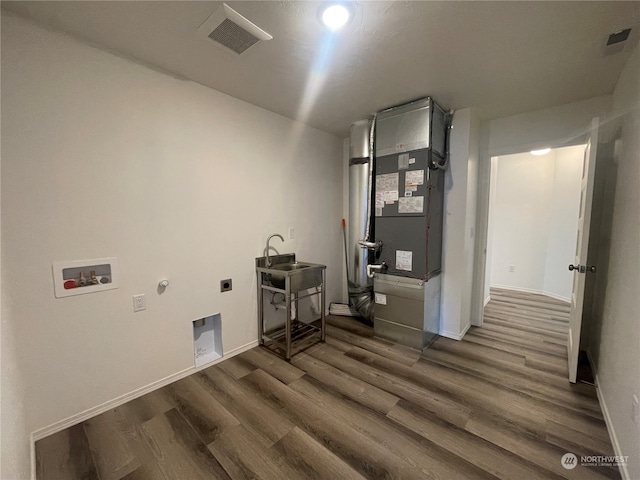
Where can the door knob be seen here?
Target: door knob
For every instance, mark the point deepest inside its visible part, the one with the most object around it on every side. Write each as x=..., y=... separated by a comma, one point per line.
x=582, y=268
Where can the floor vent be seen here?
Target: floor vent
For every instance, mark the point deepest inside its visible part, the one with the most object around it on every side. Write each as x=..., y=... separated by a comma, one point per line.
x=229, y=29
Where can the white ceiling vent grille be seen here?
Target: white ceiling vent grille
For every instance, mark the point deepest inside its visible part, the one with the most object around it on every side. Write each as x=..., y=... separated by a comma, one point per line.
x=228, y=28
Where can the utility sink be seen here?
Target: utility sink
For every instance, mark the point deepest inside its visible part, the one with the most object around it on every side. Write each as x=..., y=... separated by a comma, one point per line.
x=287, y=267
x=294, y=281
x=301, y=275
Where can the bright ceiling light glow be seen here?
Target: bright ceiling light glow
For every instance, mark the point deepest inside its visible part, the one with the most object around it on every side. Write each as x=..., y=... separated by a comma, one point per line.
x=335, y=16
x=543, y=151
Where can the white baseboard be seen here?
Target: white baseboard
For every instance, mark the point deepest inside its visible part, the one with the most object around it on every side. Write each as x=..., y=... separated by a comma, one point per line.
x=593, y=366
x=557, y=297
x=532, y=290
x=122, y=399
x=517, y=289
x=487, y=300
x=624, y=472
x=455, y=336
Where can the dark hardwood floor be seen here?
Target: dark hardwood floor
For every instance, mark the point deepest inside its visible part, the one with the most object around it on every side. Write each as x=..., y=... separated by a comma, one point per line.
x=496, y=405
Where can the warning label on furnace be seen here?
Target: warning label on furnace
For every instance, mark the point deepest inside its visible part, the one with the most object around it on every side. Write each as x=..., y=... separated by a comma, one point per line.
x=386, y=191
x=404, y=260
x=403, y=161
x=411, y=205
x=414, y=177
x=387, y=183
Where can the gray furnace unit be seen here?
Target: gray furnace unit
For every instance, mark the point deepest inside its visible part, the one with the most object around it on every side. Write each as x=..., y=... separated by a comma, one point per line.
x=410, y=155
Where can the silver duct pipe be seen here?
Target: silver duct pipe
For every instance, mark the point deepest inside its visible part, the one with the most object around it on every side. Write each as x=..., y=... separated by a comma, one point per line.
x=359, y=225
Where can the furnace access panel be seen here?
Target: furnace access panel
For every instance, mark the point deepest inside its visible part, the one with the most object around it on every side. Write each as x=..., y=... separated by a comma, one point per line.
x=408, y=210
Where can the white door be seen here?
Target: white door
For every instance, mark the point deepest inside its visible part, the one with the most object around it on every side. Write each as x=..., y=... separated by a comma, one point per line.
x=579, y=266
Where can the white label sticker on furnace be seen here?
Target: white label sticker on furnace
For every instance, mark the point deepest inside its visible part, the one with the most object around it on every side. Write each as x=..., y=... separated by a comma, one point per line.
x=378, y=211
x=403, y=161
x=412, y=161
x=391, y=196
x=411, y=205
x=387, y=182
x=380, y=298
x=404, y=260
x=414, y=177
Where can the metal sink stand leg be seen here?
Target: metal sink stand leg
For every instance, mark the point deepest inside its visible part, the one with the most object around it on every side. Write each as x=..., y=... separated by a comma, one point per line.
x=322, y=306
x=287, y=287
x=260, y=311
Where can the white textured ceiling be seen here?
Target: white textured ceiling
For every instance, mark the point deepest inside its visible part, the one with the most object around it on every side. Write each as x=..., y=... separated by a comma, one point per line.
x=503, y=58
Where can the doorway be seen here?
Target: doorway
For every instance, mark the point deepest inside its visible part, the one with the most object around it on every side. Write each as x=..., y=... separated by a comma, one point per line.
x=533, y=221
x=532, y=231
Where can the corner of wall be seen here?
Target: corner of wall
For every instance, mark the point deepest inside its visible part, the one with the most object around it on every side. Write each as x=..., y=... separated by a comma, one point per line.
x=618, y=368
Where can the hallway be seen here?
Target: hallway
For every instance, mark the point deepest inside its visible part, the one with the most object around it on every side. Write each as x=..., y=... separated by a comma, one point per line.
x=528, y=324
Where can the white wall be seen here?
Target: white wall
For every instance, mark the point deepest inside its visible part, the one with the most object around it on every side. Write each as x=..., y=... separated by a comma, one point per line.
x=615, y=341
x=522, y=204
x=105, y=157
x=459, y=225
x=534, y=218
x=14, y=449
x=550, y=127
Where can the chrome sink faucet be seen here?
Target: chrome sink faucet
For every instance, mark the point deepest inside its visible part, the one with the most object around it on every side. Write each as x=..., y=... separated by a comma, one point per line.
x=268, y=239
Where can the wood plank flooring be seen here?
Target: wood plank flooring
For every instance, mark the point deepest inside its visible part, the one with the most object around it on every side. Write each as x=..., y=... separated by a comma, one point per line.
x=496, y=405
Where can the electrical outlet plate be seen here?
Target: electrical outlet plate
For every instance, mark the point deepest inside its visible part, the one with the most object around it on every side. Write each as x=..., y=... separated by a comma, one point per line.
x=291, y=233
x=139, y=303
x=226, y=285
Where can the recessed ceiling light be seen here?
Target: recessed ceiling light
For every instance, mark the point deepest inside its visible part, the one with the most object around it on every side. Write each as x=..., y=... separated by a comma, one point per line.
x=543, y=151
x=334, y=15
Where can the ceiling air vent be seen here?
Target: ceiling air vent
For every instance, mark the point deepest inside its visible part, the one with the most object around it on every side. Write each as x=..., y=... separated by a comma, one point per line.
x=228, y=28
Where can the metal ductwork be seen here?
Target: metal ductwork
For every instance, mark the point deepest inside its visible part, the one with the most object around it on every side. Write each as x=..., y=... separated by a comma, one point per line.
x=360, y=226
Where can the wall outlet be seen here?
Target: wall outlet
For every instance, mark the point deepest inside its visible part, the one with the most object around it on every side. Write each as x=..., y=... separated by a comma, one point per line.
x=512, y=268
x=139, y=303
x=291, y=233
x=226, y=285
x=635, y=409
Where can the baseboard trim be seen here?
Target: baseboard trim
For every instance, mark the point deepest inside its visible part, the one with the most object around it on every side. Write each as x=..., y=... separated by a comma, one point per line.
x=487, y=300
x=593, y=366
x=557, y=297
x=532, y=290
x=624, y=472
x=127, y=397
x=456, y=336
x=517, y=289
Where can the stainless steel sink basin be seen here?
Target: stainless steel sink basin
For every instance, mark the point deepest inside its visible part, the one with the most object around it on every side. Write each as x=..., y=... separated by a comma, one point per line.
x=287, y=267
x=302, y=275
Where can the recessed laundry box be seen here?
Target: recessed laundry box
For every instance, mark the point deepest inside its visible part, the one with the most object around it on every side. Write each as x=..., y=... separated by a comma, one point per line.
x=207, y=339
